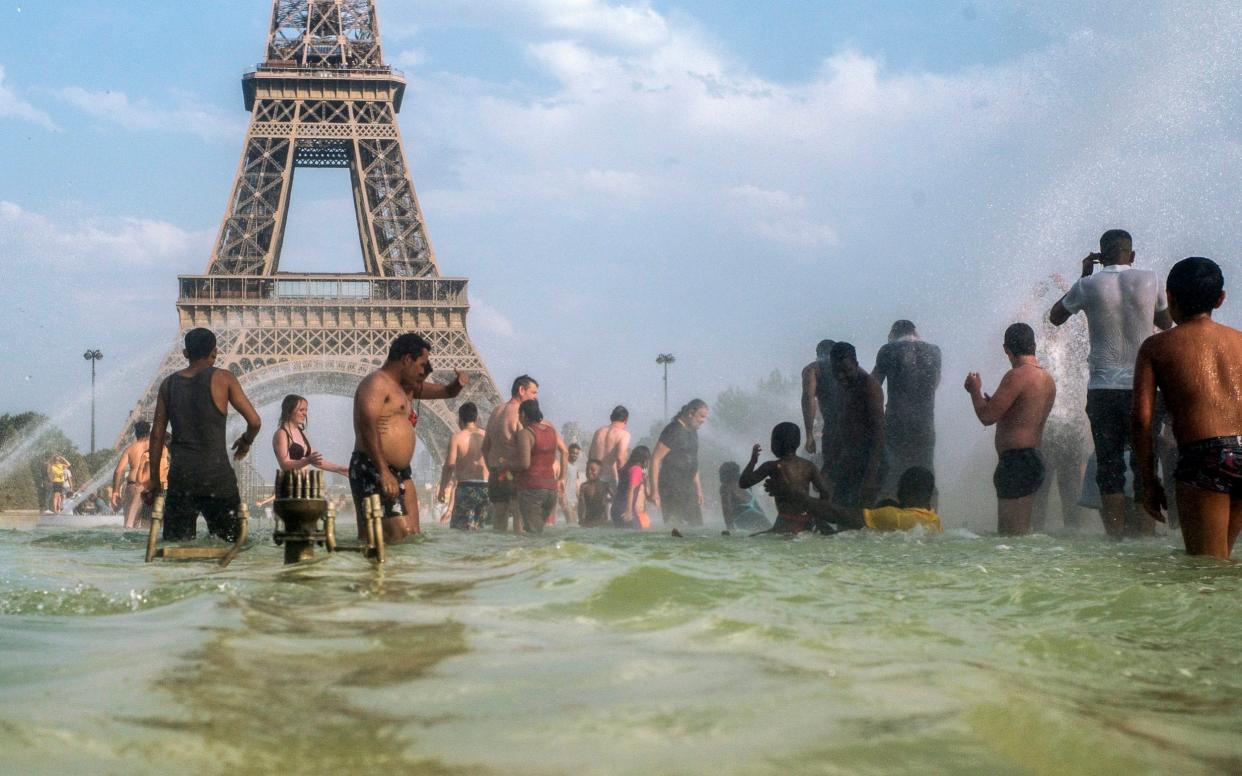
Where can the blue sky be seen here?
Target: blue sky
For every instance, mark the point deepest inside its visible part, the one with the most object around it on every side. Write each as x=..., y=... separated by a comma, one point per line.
x=728, y=181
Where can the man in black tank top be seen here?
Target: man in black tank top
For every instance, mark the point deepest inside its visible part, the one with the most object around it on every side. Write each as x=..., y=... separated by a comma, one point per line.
x=200, y=478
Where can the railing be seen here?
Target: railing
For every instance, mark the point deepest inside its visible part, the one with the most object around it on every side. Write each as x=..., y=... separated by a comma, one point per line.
x=323, y=70
x=320, y=288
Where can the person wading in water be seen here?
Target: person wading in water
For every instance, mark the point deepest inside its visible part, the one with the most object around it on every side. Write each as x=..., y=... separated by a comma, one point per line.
x=195, y=401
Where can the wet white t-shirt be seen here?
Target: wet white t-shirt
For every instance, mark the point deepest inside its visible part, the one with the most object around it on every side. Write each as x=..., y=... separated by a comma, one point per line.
x=1121, y=304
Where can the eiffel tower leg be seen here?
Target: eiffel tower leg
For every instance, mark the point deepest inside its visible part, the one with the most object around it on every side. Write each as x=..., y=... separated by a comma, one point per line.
x=253, y=230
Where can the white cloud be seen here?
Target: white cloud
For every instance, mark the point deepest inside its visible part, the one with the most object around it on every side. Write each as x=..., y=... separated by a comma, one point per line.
x=188, y=115
x=13, y=106
x=409, y=58
x=487, y=320
x=780, y=217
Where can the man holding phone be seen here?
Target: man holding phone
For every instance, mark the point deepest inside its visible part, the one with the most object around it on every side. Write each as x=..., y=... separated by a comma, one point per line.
x=1123, y=306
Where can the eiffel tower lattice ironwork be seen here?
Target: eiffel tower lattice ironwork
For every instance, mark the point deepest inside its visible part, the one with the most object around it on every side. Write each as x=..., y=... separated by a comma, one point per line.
x=323, y=97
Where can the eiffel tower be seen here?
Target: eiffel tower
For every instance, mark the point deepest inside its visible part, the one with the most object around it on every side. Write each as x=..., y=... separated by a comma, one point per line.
x=323, y=97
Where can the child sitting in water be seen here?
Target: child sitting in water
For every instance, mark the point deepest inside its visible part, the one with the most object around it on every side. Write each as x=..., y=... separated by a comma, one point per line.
x=629, y=507
x=594, y=497
x=740, y=507
x=798, y=474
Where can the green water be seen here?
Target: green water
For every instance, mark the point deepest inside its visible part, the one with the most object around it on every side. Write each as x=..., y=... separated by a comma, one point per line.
x=585, y=652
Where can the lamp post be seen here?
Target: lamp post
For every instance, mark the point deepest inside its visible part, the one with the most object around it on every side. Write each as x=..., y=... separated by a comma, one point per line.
x=93, y=356
x=664, y=359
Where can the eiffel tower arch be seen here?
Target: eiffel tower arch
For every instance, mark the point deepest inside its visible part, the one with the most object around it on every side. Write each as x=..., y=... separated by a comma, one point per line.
x=323, y=97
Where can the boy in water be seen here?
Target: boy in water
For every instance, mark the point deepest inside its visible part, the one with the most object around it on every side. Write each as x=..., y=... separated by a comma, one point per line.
x=1197, y=365
x=594, y=497
x=799, y=473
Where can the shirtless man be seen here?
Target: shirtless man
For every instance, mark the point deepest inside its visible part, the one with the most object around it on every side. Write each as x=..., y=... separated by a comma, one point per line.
x=133, y=461
x=854, y=463
x=1019, y=409
x=466, y=471
x=384, y=435
x=817, y=394
x=195, y=401
x=500, y=451
x=1197, y=365
x=611, y=444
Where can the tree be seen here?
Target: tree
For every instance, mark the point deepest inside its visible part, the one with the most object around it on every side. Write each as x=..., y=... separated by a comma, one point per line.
x=27, y=441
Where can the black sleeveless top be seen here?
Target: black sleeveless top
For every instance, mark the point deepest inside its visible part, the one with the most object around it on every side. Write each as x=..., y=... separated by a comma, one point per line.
x=199, y=464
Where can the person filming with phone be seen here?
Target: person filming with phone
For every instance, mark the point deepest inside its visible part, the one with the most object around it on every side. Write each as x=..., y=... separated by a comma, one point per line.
x=1123, y=306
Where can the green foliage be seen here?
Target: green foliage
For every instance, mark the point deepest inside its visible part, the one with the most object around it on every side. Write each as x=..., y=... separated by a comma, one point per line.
x=33, y=440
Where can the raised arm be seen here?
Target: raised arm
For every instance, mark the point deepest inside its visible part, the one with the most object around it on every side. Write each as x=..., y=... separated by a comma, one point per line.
x=750, y=477
x=441, y=391
x=1142, y=440
x=990, y=409
x=810, y=380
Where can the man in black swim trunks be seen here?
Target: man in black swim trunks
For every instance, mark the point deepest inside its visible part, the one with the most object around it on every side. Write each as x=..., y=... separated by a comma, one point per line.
x=200, y=480
x=384, y=434
x=1019, y=409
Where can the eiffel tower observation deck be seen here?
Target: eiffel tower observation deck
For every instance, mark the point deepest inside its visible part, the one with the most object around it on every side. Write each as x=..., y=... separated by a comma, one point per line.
x=323, y=97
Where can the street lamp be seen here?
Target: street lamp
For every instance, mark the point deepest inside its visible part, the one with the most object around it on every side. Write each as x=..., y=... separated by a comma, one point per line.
x=93, y=356
x=664, y=359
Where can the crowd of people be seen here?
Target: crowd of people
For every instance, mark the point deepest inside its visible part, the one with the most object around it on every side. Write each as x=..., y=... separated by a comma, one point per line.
x=876, y=467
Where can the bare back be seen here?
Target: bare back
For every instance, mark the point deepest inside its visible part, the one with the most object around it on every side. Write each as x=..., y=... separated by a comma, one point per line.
x=502, y=428
x=382, y=406
x=135, y=459
x=610, y=446
x=798, y=474
x=1198, y=367
x=1030, y=392
x=467, y=455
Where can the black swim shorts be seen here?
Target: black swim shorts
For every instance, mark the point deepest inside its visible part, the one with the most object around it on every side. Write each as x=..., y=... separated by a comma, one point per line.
x=1212, y=464
x=364, y=482
x=1019, y=473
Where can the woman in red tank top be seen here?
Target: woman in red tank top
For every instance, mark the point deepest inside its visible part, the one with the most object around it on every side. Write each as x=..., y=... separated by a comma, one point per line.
x=538, y=448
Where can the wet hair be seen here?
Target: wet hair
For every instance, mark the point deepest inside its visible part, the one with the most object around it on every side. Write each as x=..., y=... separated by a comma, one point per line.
x=729, y=472
x=142, y=429
x=1020, y=339
x=408, y=344
x=1113, y=243
x=468, y=412
x=1196, y=283
x=691, y=407
x=824, y=349
x=522, y=382
x=785, y=439
x=287, y=406
x=619, y=414
x=843, y=350
x=639, y=456
x=575, y=446
x=529, y=409
x=902, y=328
x=199, y=343
x=915, y=488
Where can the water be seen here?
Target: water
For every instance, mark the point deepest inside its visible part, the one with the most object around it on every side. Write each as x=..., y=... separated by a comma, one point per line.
x=603, y=652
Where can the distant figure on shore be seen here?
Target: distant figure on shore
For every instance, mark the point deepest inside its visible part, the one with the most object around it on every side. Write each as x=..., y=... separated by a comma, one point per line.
x=128, y=482
x=818, y=392
x=539, y=448
x=465, y=472
x=610, y=445
x=57, y=473
x=629, y=506
x=201, y=480
x=384, y=434
x=290, y=443
x=1197, y=365
x=500, y=450
x=912, y=369
x=854, y=465
x=594, y=497
x=798, y=474
x=740, y=507
x=571, y=478
x=675, y=486
x=1018, y=409
x=1123, y=306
